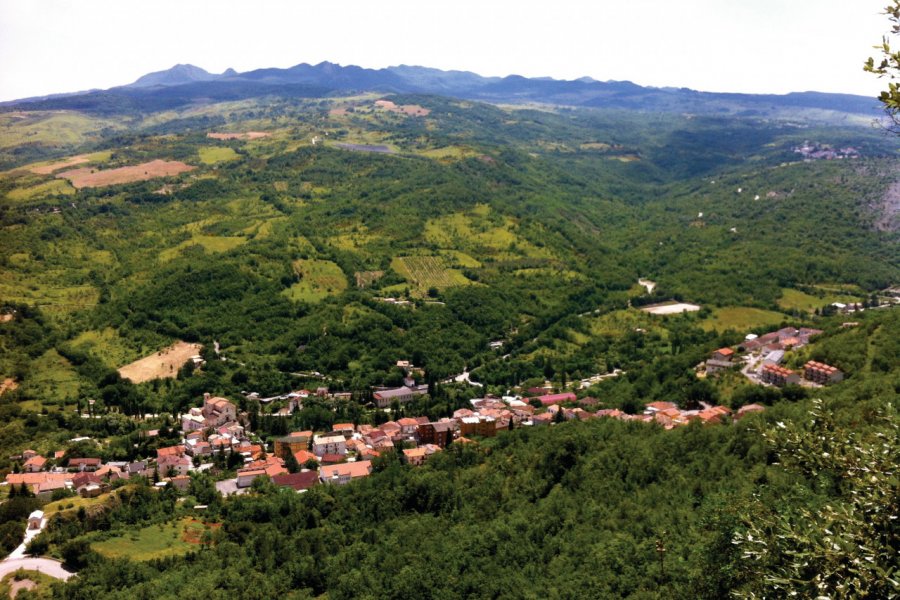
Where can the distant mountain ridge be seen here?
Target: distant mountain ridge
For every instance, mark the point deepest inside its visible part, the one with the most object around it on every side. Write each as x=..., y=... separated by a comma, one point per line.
x=185, y=84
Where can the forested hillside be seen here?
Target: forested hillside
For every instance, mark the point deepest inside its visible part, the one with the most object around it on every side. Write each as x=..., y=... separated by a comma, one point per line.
x=316, y=241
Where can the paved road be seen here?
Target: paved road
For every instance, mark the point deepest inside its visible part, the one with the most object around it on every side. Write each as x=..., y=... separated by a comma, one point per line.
x=53, y=568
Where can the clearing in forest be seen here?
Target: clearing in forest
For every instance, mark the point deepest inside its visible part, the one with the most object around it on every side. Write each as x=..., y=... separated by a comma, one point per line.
x=411, y=110
x=155, y=541
x=86, y=177
x=318, y=279
x=211, y=155
x=249, y=135
x=670, y=308
x=741, y=318
x=425, y=272
x=162, y=364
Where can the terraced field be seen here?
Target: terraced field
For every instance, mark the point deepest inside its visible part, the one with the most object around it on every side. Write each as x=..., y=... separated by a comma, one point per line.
x=425, y=272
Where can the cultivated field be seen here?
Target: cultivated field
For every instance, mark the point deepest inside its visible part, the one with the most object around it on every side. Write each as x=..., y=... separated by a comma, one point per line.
x=86, y=177
x=412, y=110
x=162, y=364
x=214, y=154
x=425, y=272
x=47, y=188
x=248, y=135
x=670, y=308
x=797, y=300
x=318, y=280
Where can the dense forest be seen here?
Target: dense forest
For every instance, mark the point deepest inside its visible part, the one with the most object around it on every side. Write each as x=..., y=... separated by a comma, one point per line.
x=515, y=244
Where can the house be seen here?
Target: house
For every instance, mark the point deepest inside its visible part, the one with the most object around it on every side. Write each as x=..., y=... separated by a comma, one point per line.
x=331, y=444
x=822, y=373
x=304, y=456
x=719, y=361
x=332, y=459
x=179, y=465
x=35, y=519
x=549, y=399
x=218, y=411
x=84, y=464
x=400, y=395
x=345, y=472
x=345, y=429
x=478, y=425
x=655, y=407
x=542, y=419
x=181, y=482
x=391, y=428
x=408, y=426
x=245, y=477
x=723, y=354
x=414, y=456
x=778, y=376
x=292, y=443
x=439, y=433
x=169, y=451
x=27, y=454
x=34, y=464
x=82, y=480
x=41, y=481
x=299, y=482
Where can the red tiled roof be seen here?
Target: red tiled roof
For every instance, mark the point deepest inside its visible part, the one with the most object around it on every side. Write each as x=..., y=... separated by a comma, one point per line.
x=556, y=398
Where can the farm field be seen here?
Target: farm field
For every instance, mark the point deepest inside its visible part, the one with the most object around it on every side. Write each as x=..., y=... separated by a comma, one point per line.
x=49, y=167
x=425, y=272
x=318, y=279
x=156, y=541
x=46, y=188
x=741, y=318
x=248, y=135
x=162, y=364
x=86, y=177
x=796, y=300
x=215, y=154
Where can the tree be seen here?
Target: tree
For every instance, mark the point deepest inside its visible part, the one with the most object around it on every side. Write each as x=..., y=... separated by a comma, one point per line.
x=889, y=66
x=846, y=545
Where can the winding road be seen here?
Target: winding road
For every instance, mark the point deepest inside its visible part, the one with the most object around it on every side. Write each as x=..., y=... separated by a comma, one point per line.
x=47, y=566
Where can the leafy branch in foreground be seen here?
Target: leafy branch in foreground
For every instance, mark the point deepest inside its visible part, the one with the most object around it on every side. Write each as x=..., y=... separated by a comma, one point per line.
x=841, y=543
x=889, y=66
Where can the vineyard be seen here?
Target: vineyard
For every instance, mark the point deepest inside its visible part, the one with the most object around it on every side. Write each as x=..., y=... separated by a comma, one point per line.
x=425, y=272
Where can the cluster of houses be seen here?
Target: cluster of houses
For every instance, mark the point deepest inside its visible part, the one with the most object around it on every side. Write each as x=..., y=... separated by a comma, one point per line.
x=768, y=351
x=88, y=477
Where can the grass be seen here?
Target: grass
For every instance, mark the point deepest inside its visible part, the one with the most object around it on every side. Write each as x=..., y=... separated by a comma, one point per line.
x=741, y=318
x=210, y=243
x=482, y=232
x=211, y=155
x=796, y=300
x=52, y=377
x=48, y=188
x=425, y=272
x=42, y=588
x=318, y=280
x=106, y=345
x=156, y=541
x=73, y=504
x=52, y=128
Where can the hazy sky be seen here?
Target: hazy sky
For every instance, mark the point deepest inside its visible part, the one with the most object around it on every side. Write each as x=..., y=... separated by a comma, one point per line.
x=757, y=46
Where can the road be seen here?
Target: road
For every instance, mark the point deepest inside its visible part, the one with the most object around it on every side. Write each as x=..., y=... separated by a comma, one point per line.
x=53, y=568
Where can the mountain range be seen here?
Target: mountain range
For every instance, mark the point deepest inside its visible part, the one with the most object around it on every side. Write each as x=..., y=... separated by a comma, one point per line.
x=186, y=84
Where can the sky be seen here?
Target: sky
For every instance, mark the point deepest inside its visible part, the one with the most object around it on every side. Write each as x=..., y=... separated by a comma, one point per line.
x=753, y=46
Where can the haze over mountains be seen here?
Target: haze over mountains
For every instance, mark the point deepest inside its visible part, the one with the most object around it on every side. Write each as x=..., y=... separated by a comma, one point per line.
x=185, y=84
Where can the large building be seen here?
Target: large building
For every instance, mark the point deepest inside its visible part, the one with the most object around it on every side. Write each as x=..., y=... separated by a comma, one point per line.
x=822, y=373
x=779, y=376
x=400, y=395
x=440, y=433
x=292, y=443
